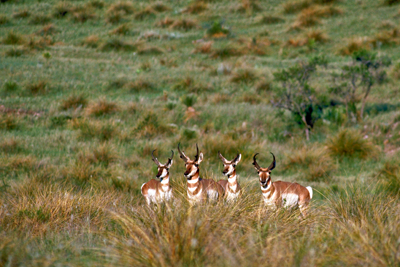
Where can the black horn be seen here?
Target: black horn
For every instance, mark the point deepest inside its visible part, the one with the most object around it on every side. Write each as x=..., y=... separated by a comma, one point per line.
x=273, y=164
x=182, y=154
x=154, y=158
x=255, y=162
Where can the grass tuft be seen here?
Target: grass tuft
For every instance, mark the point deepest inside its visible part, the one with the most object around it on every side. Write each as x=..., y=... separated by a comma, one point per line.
x=92, y=41
x=37, y=19
x=245, y=75
x=61, y=9
x=117, y=44
x=195, y=8
x=13, y=38
x=350, y=143
x=4, y=19
x=101, y=107
x=355, y=44
x=21, y=14
x=296, y=6
x=184, y=24
x=83, y=15
x=314, y=164
x=270, y=19
x=74, y=102
x=123, y=29
x=146, y=13
x=165, y=22
x=37, y=88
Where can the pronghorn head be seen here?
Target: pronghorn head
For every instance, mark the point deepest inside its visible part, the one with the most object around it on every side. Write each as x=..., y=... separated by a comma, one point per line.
x=229, y=166
x=192, y=166
x=163, y=170
x=264, y=173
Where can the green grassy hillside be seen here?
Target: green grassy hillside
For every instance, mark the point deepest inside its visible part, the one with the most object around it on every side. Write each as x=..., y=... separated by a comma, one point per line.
x=88, y=88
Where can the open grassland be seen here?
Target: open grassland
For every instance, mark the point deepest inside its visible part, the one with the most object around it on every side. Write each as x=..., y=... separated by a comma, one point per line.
x=89, y=88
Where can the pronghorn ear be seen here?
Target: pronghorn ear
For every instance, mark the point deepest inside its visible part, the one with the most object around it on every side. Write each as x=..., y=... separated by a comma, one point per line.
x=237, y=159
x=169, y=163
x=200, y=159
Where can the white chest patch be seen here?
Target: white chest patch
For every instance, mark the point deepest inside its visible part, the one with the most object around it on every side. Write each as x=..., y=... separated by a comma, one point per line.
x=233, y=188
x=232, y=196
x=191, y=189
x=192, y=181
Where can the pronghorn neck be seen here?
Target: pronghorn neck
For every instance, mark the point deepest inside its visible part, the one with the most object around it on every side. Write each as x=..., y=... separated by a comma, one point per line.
x=193, y=183
x=165, y=183
x=269, y=189
x=232, y=182
x=232, y=175
x=165, y=180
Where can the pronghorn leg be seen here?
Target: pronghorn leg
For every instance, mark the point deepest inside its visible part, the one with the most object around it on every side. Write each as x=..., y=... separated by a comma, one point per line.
x=303, y=209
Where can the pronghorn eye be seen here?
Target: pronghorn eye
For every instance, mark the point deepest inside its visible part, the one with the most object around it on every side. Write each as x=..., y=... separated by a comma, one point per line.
x=197, y=165
x=234, y=165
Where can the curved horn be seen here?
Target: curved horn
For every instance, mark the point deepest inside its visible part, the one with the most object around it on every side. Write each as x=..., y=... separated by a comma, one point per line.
x=154, y=158
x=236, y=158
x=182, y=154
x=172, y=154
x=255, y=162
x=197, y=154
x=273, y=164
x=222, y=157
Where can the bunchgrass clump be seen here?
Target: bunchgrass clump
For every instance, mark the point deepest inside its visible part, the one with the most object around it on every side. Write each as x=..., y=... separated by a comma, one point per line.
x=195, y=7
x=83, y=15
x=101, y=107
x=139, y=85
x=160, y=7
x=150, y=50
x=21, y=14
x=313, y=164
x=165, y=22
x=103, y=131
x=117, y=44
x=146, y=13
x=10, y=87
x=248, y=6
x=103, y=154
x=230, y=50
x=10, y=145
x=184, y=24
x=296, y=6
x=8, y=122
x=350, y=143
x=217, y=30
x=245, y=75
x=74, y=102
x=37, y=87
x=389, y=175
x=13, y=38
x=270, y=19
x=49, y=29
x=355, y=44
x=15, y=52
x=391, y=2
x=4, y=19
x=61, y=9
x=92, y=41
x=37, y=19
x=123, y=29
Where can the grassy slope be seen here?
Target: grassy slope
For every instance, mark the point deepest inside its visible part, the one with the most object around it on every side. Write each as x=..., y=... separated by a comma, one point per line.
x=68, y=195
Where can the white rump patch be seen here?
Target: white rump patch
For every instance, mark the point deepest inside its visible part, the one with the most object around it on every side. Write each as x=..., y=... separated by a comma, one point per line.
x=212, y=194
x=310, y=191
x=290, y=200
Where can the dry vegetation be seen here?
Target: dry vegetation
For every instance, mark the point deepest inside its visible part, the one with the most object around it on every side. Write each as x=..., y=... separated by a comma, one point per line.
x=90, y=88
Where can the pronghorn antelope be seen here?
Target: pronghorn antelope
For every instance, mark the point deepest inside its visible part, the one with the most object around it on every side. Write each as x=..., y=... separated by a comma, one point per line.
x=282, y=193
x=158, y=191
x=231, y=186
x=199, y=189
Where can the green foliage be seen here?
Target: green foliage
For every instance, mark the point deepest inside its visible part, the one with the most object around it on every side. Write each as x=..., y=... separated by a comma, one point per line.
x=295, y=94
x=357, y=79
x=389, y=175
x=217, y=28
